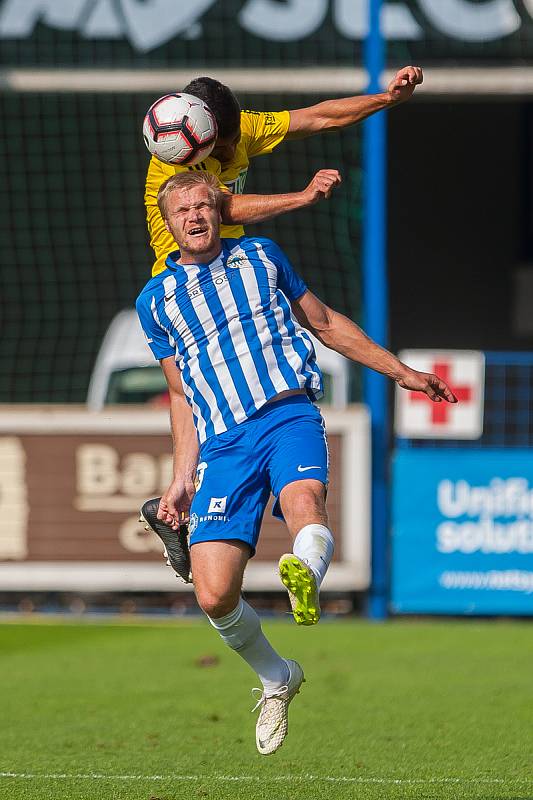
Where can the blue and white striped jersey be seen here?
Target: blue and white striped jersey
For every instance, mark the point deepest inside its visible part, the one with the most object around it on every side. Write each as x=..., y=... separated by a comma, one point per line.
x=230, y=326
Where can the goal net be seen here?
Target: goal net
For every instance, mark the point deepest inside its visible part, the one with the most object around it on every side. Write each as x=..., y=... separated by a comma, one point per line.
x=75, y=243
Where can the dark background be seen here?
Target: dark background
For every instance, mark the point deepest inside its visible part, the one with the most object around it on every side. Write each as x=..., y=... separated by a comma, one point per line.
x=460, y=222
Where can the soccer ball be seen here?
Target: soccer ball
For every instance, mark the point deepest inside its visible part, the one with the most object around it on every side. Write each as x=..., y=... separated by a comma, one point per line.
x=179, y=129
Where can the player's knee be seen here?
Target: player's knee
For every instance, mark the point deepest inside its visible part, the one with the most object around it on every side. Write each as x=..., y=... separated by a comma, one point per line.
x=215, y=603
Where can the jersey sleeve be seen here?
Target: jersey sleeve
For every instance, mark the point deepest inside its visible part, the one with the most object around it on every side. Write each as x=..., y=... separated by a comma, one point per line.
x=289, y=281
x=161, y=240
x=264, y=130
x=156, y=336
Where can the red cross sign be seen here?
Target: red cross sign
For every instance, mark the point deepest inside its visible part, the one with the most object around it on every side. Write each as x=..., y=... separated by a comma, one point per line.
x=440, y=411
x=419, y=417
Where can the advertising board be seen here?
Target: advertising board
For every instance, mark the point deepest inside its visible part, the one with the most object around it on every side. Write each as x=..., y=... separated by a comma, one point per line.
x=72, y=481
x=462, y=531
x=257, y=31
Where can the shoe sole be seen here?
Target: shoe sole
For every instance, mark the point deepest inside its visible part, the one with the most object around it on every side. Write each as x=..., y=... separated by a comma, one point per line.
x=301, y=585
x=181, y=565
x=148, y=528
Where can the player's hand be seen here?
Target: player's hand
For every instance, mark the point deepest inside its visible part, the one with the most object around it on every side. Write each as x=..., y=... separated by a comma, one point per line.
x=435, y=388
x=175, y=504
x=322, y=185
x=404, y=83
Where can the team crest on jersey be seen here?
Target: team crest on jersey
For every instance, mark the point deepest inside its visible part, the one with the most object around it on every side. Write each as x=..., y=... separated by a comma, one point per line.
x=235, y=261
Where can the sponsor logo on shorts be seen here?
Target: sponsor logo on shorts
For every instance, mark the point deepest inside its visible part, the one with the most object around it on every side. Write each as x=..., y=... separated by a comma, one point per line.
x=214, y=518
x=304, y=469
x=217, y=505
x=195, y=520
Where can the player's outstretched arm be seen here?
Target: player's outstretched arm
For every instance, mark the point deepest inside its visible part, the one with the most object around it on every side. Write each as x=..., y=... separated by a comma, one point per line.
x=176, y=501
x=341, y=334
x=332, y=115
x=245, y=209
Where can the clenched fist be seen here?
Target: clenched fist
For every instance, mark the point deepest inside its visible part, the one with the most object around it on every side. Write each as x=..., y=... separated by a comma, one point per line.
x=321, y=185
x=404, y=83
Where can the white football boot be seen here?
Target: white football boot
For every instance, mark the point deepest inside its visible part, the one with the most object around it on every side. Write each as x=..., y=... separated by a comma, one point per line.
x=273, y=722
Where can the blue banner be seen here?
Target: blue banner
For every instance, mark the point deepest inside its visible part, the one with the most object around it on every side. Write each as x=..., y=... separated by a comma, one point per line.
x=462, y=531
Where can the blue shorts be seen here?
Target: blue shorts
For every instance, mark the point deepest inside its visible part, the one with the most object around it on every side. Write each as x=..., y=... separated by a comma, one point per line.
x=284, y=441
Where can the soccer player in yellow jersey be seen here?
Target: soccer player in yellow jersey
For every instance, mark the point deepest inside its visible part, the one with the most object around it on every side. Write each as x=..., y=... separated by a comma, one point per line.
x=243, y=135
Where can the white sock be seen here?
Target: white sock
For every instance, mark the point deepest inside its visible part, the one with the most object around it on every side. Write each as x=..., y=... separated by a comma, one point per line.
x=241, y=630
x=314, y=544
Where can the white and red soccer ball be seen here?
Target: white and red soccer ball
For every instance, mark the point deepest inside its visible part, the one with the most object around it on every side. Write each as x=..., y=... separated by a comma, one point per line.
x=180, y=129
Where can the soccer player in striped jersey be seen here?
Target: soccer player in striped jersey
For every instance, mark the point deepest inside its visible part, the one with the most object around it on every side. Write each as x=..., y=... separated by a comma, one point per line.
x=227, y=319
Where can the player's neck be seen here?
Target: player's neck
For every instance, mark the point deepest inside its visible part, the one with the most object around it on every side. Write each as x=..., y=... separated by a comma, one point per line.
x=187, y=257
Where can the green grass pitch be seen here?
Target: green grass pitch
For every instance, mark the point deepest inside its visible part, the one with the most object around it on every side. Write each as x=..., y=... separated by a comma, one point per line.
x=161, y=711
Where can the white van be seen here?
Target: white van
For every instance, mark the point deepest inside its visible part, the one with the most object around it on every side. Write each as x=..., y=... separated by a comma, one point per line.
x=125, y=370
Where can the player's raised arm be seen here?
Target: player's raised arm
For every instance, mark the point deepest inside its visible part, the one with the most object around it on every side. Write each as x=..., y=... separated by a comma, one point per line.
x=332, y=115
x=250, y=208
x=341, y=334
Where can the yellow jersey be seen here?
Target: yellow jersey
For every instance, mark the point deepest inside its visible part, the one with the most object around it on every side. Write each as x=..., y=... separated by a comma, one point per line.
x=261, y=132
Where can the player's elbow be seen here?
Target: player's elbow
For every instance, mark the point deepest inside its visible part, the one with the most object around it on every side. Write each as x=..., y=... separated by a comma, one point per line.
x=231, y=209
x=178, y=399
x=324, y=323
x=329, y=328
x=326, y=336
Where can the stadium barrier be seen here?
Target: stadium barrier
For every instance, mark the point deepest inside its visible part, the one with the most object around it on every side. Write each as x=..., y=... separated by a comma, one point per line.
x=72, y=481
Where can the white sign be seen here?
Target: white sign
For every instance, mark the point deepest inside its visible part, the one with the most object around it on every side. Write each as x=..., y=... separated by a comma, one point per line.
x=147, y=24
x=418, y=417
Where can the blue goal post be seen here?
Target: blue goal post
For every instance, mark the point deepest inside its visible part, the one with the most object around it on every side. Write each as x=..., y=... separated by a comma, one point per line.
x=375, y=309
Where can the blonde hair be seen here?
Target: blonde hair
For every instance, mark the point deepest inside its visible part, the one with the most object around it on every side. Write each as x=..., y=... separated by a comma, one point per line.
x=188, y=180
